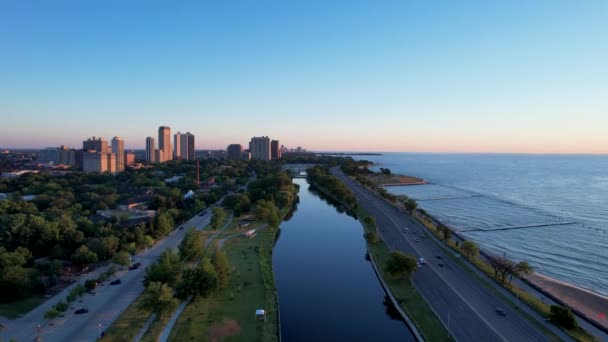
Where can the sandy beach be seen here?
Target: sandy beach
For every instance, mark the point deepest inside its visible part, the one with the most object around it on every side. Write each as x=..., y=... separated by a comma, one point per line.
x=584, y=302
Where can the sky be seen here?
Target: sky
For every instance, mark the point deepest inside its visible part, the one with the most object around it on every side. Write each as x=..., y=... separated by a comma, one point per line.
x=411, y=76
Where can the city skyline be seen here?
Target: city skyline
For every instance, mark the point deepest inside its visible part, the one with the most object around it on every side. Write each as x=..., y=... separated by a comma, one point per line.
x=411, y=77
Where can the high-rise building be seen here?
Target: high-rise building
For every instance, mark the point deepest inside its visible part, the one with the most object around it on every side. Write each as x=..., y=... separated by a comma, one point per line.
x=235, y=151
x=275, y=151
x=150, y=153
x=191, y=146
x=111, y=162
x=260, y=148
x=118, y=148
x=95, y=144
x=129, y=158
x=164, y=142
x=95, y=162
x=187, y=146
x=177, y=140
x=159, y=156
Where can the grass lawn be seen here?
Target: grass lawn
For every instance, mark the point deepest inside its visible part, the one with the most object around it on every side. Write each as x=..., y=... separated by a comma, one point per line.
x=229, y=314
x=393, y=179
x=23, y=306
x=409, y=299
x=127, y=325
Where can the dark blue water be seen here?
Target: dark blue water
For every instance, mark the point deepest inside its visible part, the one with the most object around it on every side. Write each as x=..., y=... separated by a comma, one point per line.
x=327, y=290
x=480, y=193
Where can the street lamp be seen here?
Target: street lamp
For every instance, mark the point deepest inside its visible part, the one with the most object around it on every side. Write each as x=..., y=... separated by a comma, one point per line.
x=99, y=329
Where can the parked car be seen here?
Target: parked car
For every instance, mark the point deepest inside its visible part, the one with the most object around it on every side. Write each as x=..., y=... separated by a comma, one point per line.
x=116, y=282
x=81, y=311
x=501, y=312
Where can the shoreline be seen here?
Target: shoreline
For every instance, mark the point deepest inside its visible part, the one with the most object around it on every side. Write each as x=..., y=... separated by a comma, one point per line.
x=591, y=306
x=569, y=295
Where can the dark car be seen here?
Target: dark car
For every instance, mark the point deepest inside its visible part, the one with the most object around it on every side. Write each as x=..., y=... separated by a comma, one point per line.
x=438, y=256
x=81, y=311
x=501, y=312
x=135, y=266
x=116, y=282
x=440, y=264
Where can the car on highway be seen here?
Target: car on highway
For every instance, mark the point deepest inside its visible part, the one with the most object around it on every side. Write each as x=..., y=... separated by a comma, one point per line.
x=135, y=266
x=417, y=239
x=116, y=282
x=203, y=213
x=422, y=261
x=501, y=312
x=440, y=264
x=438, y=256
x=81, y=311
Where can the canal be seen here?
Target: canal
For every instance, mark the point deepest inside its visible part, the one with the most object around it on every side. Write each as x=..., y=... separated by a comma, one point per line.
x=328, y=291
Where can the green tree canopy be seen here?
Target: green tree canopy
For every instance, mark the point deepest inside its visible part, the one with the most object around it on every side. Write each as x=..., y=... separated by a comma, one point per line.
x=165, y=270
x=158, y=298
x=191, y=246
x=222, y=267
x=400, y=265
x=198, y=281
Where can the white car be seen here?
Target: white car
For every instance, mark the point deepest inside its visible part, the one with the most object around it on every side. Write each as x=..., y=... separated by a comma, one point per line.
x=422, y=261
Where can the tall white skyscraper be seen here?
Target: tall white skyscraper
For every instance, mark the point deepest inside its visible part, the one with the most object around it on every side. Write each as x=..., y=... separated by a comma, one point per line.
x=150, y=153
x=164, y=142
x=118, y=148
x=177, y=153
x=260, y=148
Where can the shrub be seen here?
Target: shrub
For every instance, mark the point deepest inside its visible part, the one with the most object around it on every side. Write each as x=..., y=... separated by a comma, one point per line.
x=563, y=317
x=90, y=284
x=51, y=313
x=372, y=237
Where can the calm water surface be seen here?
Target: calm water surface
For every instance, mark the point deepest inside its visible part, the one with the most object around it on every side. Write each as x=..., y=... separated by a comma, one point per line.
x=327, y=290
x=564, y=196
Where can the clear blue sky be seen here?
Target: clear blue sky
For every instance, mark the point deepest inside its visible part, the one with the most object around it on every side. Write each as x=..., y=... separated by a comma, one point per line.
x=469, y=76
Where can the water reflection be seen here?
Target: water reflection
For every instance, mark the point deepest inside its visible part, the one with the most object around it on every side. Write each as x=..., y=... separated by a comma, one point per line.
x=327, y=291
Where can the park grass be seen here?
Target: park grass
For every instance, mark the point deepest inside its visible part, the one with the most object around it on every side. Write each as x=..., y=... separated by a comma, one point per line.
x=126, y=327
x=382, y=179
x=20, y=307
x=230, y=313
x=409, y=299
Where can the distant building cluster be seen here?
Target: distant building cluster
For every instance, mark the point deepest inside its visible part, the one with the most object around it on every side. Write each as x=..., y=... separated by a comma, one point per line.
x=95, y=156
x=182, y=147
x=260, y=148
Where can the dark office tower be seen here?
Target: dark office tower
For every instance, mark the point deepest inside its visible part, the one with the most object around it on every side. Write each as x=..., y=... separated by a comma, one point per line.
x=191, y=148
x=275, y=151
x=150, y=153
x=235, y=151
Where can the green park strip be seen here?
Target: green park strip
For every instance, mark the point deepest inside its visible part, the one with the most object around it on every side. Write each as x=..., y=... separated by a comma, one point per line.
x=230, y=312
x=128, y=325
x=408, y=298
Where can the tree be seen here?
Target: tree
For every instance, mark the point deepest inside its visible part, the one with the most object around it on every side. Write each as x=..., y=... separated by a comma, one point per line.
x=563, y=317
x=164, y=223
x=410, y=205
x=372, y=237
x=158, y=298
x=201, y=280
x=122, y=258
x=400, y=265
x=522, y=268
x=191, y=246
x=83, y=256
x=222, y=267
x=369, y=220
x=165, y=270
x=470, y=249
x=218, y=217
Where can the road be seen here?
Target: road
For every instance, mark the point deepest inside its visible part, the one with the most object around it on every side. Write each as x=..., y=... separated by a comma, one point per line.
x=462, y=303
x=104, y=307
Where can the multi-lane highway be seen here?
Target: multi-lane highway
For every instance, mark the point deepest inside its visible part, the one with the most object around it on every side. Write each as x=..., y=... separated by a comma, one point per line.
x=104, y=307
x=463, y=304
